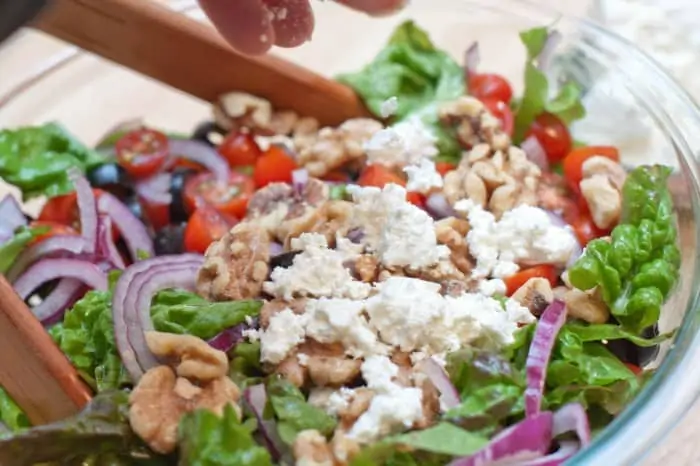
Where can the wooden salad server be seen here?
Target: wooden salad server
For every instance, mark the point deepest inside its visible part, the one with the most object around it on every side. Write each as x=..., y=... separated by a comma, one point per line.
x=33, y=370
x=191, y=56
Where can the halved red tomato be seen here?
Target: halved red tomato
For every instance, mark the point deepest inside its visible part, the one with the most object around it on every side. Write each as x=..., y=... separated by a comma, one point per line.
x=538, y=271
x=240, y=149
x=205, y=226
x=230, y=198
x=502, y=111
x=142, y=152
x=553, y=136
x=379, y=176
x=275, y=165
x=490, y=86
x=573, y=162
x=443, y=168
x=54, y=229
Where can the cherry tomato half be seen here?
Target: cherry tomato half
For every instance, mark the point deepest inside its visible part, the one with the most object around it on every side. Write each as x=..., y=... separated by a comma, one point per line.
x=553, y=136
x=240, y=149
x=230, y=198
x=573, y=163
x=538, y=271
x=54, y=229
x=490, y=86
x=634, y=368
x=379, y=176
x=205, y=226
x=142, y=152
x=158, y=215
x=443, y=168
x=585, y=229
x=61, y=209
x=275, y=165
x=502, y=111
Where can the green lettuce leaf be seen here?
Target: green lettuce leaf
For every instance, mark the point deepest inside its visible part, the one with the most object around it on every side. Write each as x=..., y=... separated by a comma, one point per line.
x=10, y=249
x=244, y=364
x=11, y=416
x=536, y=95
x=100, y=432
x=86, y=334
x=209, y=440
x=639, y=267
x=293, y=413
x=419, y=75
x=37, y=159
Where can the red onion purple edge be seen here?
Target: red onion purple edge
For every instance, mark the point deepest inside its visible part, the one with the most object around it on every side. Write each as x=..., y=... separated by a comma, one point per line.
x=133, y=231
x=449, y=396
x=541, y=347
x=535, y=152
x=52, y=247
x=105, y=243
x=203, y=154
x=256, y=399
x=51, y=310
x=87, y=208
x=11, y=217
x=438, y=207
x=471, y=59
x=47, y=270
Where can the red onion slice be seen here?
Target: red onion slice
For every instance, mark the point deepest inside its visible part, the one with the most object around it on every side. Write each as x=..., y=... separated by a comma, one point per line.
x=53, y=307
x=50, y=247
x=527, y=440
x=436, y=204
x=87, y=208
x=300, y=178
x=562, y=455
x=256, y=399
x=203, y=154
x=105, y=243
x=535, y=153
x=156, y=189
x=545, y=57
x=541, y=347
x=471, y=60
x=573, y=418
x=449, y=396
x=130, y=227
x=50, y=269
x=276, y=249
x=11, y=217
x=128, y=323
x=229, y=338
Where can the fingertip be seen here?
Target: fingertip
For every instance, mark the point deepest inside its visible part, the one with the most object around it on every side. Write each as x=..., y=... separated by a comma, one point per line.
x=245, y=24
x=375, y=7
x=292, y=21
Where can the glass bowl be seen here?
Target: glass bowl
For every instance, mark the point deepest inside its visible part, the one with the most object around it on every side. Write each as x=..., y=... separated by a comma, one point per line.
x=631, y=103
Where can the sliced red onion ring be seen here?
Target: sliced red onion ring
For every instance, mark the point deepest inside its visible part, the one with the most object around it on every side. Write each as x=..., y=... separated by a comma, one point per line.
x=436, y=204
x=356, y=235
x=156, y=189
x=562, y=455
x=105, y=243
x=535, y=153
x=50, y=247
x=449, y=396
x=50, y=269
x=52, y=308
x=573, y=418
x=471, y=59
x=130, y=227
x=527, y=440
x=203, y=154
x=229, y=338
x=300, y=178
x=128, y=325
x=541, y=347
x=11, y=217
x=87, y=208
x=256, y=399
x=545, y=57
x=276, y=249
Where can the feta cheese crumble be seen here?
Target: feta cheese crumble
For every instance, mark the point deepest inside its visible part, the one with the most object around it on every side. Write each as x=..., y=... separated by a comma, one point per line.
x=405, y=143
x=393, y=408
x=315, y=272
x=423, y=177
x=524, y=235
x=284, y=333
x=389, y=107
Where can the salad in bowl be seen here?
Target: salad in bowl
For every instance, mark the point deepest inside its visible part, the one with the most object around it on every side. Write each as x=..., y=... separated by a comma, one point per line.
x=455, y=281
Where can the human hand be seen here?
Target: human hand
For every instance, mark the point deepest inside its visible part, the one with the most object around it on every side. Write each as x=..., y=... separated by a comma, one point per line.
x=253, y=26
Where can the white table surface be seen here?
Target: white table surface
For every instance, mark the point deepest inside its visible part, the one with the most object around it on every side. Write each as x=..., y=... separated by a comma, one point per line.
x=29, y=48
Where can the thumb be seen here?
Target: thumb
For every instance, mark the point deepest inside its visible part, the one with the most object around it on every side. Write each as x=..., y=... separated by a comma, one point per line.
x=245, y=24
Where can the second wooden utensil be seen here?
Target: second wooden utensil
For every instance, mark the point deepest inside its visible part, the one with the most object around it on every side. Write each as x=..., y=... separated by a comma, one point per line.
x=192, y=57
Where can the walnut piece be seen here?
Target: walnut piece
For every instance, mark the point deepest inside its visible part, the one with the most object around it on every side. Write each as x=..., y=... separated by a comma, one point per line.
x=238, y=109
x=452, y=233
x=310, y=448
x=196, y=359
x=473, y=123
x=161, y=399
x=367, y=267
x=236, y=266
x=535, y=294
x=587, y=306
x=333, y=148
x=603, y=199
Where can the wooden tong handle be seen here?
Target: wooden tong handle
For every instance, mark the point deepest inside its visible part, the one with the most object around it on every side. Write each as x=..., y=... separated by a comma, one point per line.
x=32, y=369
x=192, y=57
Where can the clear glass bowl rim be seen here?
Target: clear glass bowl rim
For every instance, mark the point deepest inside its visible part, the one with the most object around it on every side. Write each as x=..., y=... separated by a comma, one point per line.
x=671, y=375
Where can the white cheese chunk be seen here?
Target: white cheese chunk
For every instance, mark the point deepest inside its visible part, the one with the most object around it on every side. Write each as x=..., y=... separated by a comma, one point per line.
x=315, y=272
x=404, y=143
x=389, y=107
x=423, y=177
x=525, y=235
x=285, y=331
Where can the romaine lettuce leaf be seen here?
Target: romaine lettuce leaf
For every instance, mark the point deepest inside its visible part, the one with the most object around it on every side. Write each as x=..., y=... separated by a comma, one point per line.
x=36, y=159
x=419, y=75
x=86, y=334
x=11, y=415
x=209, y=440
x=10, y=249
